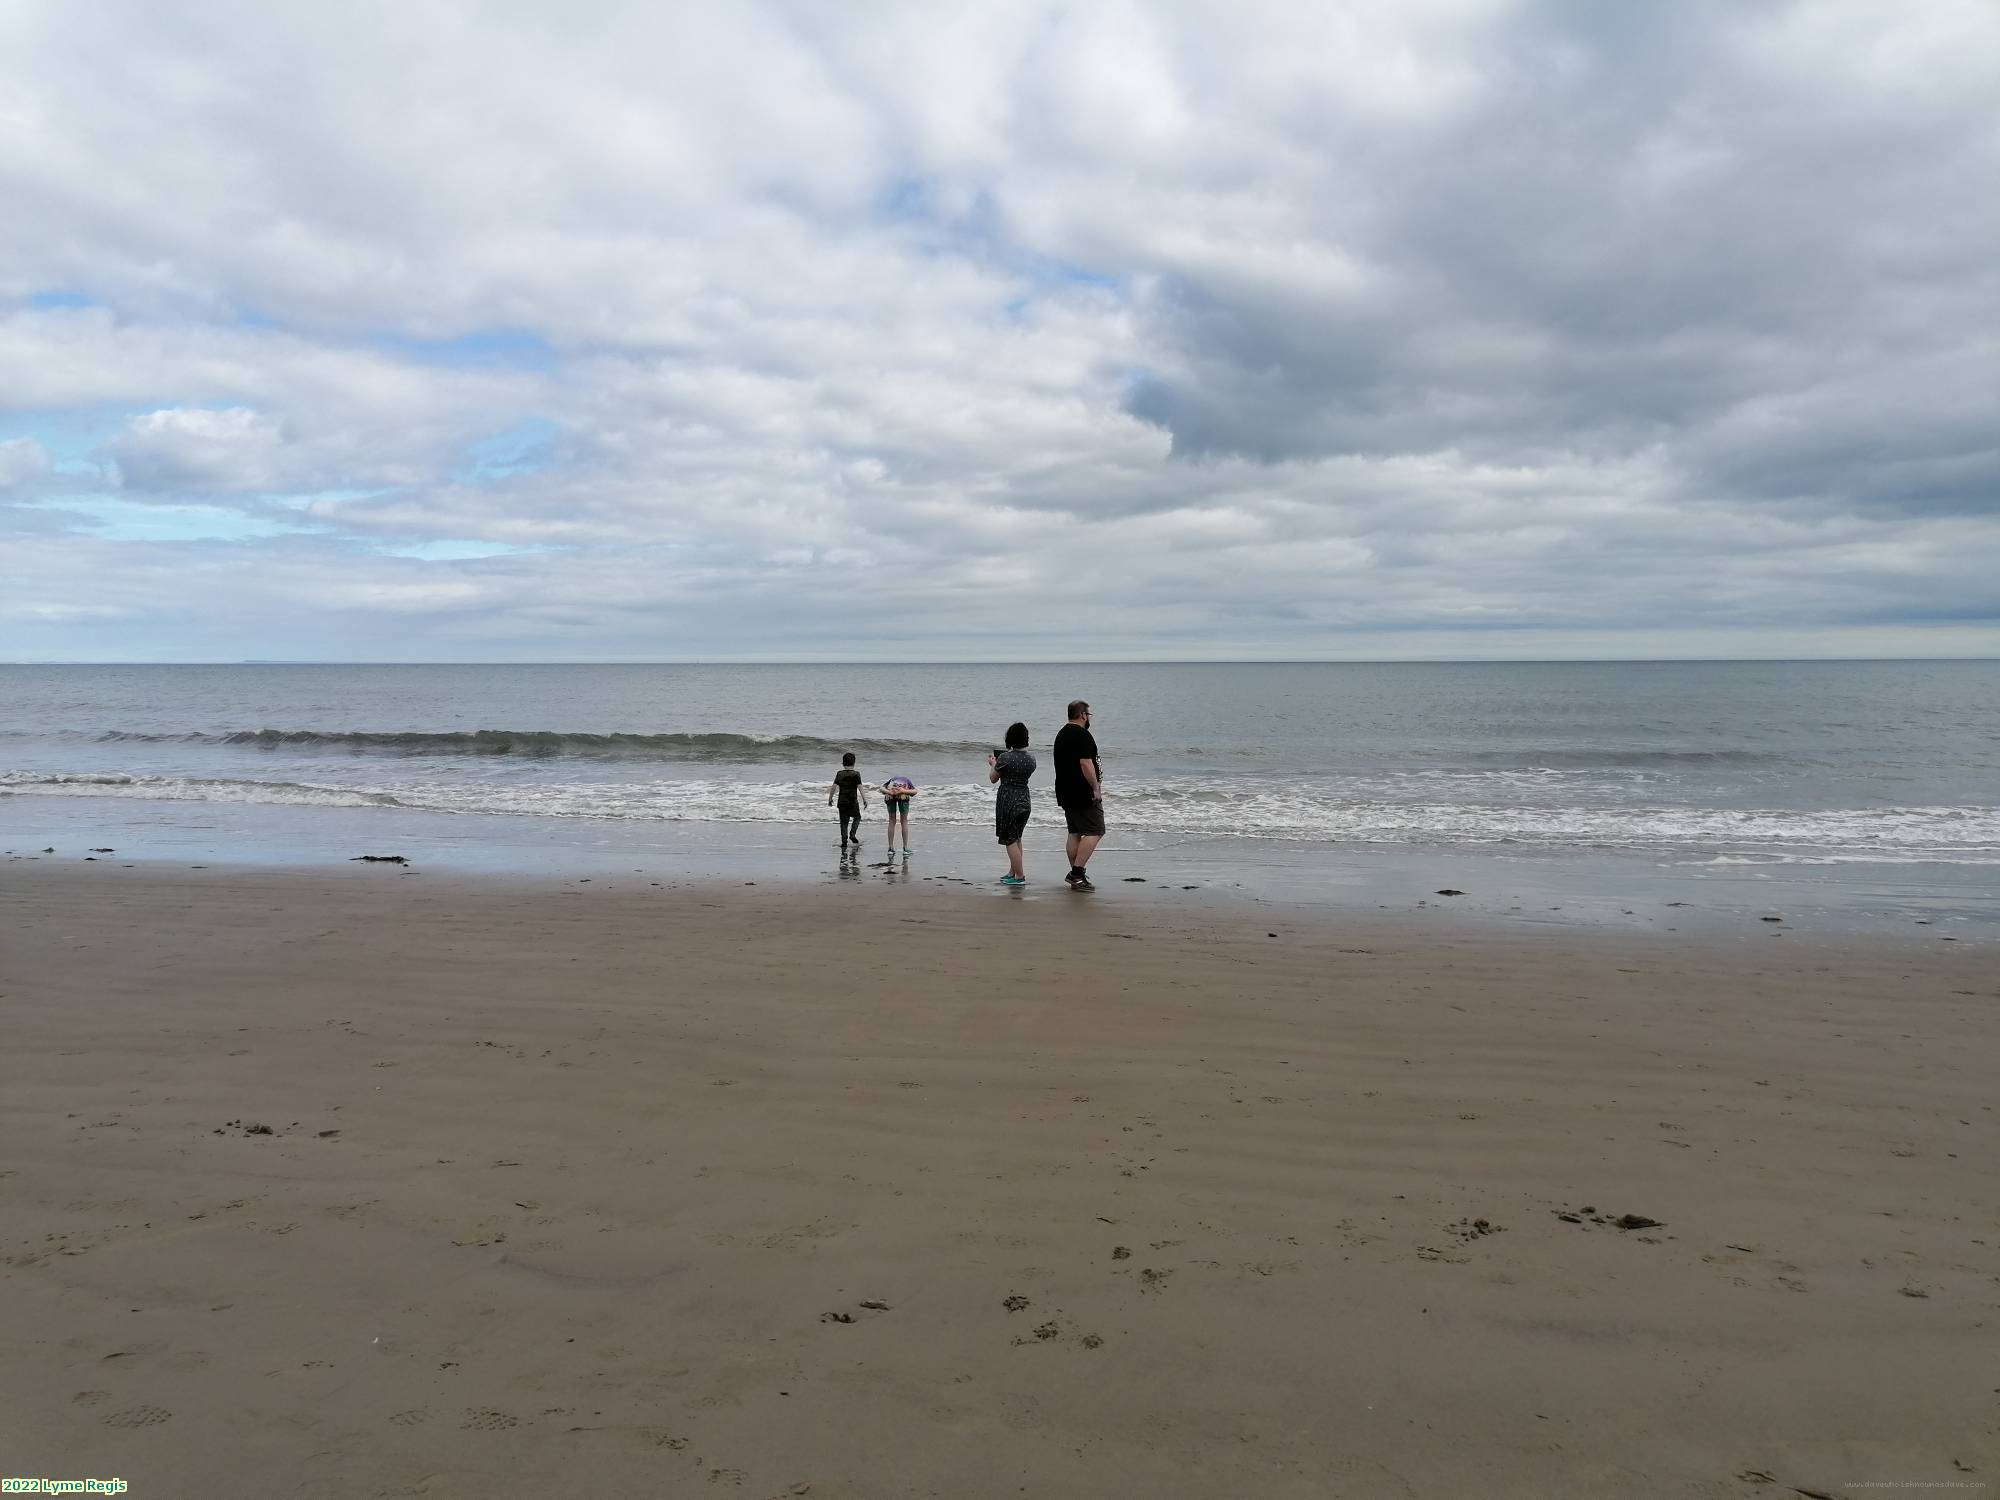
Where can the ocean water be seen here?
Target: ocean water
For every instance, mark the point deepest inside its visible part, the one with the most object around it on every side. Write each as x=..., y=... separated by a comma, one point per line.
x=1806, y=765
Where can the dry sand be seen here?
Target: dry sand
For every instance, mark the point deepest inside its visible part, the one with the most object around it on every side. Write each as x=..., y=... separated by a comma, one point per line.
x=859, y=1192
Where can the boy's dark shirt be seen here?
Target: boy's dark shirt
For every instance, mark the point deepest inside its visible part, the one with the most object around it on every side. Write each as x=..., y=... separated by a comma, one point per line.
x=848, y=780
x=1074, y=745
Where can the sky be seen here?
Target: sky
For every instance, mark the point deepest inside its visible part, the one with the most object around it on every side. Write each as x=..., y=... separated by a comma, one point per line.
x=1449, y=329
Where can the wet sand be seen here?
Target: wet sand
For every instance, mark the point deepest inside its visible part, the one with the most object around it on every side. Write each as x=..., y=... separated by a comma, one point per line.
x=374, y=1182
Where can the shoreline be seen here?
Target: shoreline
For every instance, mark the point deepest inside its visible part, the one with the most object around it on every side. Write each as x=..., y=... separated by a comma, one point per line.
x=1620, y=890
x=576, y=1185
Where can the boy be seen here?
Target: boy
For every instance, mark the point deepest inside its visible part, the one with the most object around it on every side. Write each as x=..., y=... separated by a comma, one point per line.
x=846, y=789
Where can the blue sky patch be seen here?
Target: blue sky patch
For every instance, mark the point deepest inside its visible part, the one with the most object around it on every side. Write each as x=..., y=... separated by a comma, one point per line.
x=449, y=550
x=524, y=448
x=491, y=348
x=72, y=437
x=56, y=297
x=115, y=520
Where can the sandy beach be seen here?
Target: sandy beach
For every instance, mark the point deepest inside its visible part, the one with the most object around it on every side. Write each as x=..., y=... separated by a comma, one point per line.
x=370, y=1182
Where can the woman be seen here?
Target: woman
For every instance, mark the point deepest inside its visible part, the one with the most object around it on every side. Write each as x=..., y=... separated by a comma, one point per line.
x=1011, y=804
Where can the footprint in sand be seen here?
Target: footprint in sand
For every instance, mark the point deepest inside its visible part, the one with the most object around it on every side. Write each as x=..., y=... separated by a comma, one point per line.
x=792, y=1239
x=415, y=1417
x=487, y=1420
x=138, y=1416
x=90, y=1398
x=1022, y=1413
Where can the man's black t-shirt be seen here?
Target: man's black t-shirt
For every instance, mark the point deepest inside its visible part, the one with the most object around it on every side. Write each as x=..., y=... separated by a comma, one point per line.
x=849, y=781
x=1073, y=746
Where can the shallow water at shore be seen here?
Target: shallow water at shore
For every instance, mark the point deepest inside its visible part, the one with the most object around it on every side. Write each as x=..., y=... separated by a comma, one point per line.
x=1522, y=887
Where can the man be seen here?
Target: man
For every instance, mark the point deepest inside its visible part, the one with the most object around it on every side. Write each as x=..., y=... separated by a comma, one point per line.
x=1079, y=792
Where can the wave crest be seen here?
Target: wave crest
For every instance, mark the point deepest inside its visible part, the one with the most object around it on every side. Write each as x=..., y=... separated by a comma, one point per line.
x=543, y=744
x=192, y=789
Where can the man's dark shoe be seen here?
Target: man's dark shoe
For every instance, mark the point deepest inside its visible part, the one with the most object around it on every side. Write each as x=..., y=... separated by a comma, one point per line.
x=1082, y=883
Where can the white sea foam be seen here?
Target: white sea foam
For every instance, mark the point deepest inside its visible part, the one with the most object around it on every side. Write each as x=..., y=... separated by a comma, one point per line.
x=190, y=789
x=1324, y=810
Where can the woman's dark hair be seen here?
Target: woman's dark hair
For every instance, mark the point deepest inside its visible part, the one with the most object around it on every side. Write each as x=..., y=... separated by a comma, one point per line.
x=1017, y=736
x=847, y=759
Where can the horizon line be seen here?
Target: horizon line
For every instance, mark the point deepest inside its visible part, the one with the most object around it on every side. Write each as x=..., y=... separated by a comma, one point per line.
x=1132, y=661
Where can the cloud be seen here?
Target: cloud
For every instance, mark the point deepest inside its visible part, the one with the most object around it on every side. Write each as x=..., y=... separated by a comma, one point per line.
x=231, y=451
x=23, y=461
x=1642, y=229
x=1264, y=329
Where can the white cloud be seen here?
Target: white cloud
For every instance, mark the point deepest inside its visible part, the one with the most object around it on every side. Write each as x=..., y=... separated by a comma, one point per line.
x=23, y=461
x=1262, y=327
x=231, y=451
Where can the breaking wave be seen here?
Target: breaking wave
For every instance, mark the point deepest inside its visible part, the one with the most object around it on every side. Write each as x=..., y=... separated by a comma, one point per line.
x=542, y=744
x=1591, y=756
x=1166, y=807
x=192, y=789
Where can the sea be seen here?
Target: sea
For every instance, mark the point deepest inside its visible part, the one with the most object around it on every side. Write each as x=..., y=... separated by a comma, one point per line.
x=1822, y=792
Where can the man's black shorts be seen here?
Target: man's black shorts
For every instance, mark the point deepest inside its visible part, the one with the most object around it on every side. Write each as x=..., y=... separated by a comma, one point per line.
x=1086, y=819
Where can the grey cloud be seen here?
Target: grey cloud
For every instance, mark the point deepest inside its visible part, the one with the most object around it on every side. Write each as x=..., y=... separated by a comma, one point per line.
x=1678, y=220
x=230, y=451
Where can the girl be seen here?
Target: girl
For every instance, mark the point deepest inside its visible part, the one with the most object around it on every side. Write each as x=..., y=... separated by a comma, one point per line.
x=896, y=794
